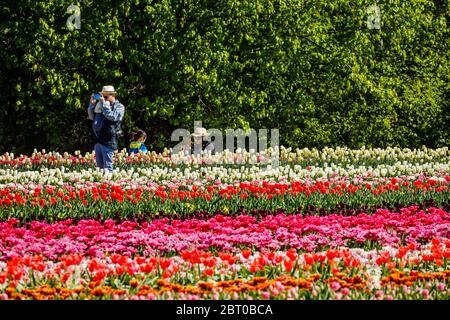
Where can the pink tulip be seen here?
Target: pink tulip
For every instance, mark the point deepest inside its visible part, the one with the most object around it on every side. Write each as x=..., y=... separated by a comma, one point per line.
x=379, y=293
x=335, y=286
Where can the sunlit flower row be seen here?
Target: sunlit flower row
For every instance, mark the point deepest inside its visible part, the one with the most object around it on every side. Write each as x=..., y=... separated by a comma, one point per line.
x=407, y=272
x=285, y=155
x=274, y=232
x=223, y=174
x=133, y=201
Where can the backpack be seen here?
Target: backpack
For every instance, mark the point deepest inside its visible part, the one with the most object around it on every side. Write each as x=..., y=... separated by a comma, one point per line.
x=99, y=123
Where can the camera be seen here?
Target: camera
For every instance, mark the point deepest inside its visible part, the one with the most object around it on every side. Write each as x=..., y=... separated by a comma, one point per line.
x=97, y=96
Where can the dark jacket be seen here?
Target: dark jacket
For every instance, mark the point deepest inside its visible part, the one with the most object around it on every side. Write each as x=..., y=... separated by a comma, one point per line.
x=111, y=131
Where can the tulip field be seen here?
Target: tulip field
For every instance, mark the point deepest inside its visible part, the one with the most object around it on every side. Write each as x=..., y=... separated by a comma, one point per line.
x=323, y=224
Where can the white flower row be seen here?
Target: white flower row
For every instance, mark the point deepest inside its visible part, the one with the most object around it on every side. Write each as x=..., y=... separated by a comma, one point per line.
x=224, y=174
x=343, y=154
x=328, y=155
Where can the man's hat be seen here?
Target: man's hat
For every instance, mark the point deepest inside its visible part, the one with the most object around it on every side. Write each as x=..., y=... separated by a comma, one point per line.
x=108, y=90
x=200, y=132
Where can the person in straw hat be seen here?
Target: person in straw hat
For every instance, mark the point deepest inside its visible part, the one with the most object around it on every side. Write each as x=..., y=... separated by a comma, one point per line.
x=198, y=135
x=107, y=130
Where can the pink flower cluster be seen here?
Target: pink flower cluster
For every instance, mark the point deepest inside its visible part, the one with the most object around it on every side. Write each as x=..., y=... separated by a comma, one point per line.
x=94, y=238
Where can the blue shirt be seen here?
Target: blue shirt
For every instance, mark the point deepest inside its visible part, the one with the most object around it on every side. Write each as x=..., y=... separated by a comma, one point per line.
x=136, y=146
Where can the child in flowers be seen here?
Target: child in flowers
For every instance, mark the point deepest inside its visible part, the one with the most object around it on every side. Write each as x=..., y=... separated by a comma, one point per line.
x=137, y=144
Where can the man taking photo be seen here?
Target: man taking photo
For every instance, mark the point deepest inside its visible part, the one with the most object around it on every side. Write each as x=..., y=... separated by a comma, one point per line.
x=107, y=113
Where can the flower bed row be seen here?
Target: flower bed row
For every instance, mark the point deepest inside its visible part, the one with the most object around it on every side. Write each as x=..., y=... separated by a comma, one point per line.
x=409, y=272
x=302, y=157
x=115, y=201
x=225, y=174
x=94, y=238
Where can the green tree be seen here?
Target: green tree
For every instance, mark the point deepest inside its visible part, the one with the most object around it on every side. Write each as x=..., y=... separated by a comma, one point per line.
x=311, y=68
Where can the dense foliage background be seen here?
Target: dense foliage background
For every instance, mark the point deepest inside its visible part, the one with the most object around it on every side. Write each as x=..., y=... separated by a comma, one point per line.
x=311, y=68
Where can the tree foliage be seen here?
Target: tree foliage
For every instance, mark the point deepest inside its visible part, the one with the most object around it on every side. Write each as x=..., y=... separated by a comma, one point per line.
x=311, y=68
